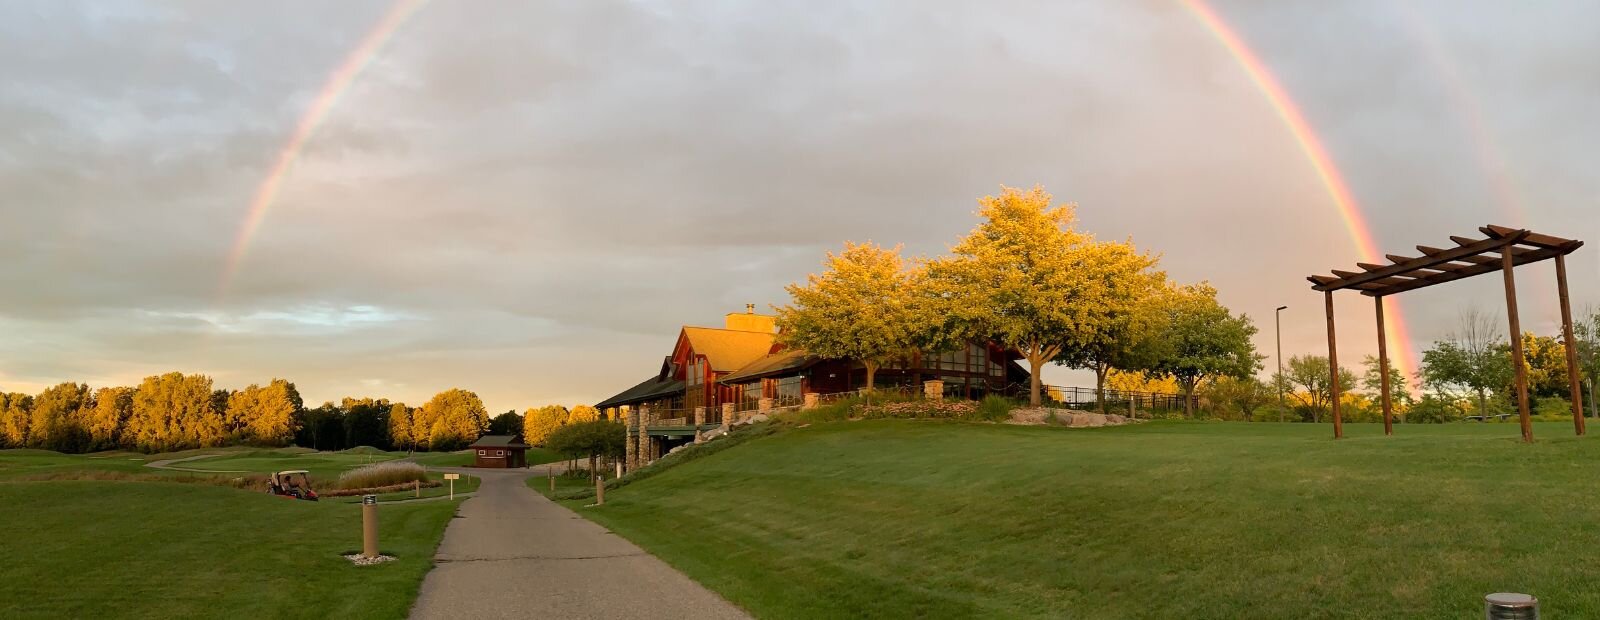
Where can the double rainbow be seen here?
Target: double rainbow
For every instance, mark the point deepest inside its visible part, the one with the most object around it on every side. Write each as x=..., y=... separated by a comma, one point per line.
x=333, y=89
x=1332, y=180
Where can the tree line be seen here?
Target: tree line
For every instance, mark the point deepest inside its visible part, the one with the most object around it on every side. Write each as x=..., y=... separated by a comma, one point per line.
x=1028, y=279
x=175, y=411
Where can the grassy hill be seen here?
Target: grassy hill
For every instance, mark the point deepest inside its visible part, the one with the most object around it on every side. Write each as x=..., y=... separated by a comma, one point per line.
x=84, y=549
x=907, y=518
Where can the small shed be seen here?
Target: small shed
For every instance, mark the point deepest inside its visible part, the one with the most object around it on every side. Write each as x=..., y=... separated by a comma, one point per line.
x=500, y=452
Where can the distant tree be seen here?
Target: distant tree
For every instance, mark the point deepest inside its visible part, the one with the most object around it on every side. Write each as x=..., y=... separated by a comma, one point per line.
x=1372, y=382
x=1308, y=375
x=264, y=415
x=592, y=439
x=539, y=423
x=54, y=424
x=583, y=413
x=366, y=422
x=1586, y=335
x=859, y=309
x=322, y=428
x=1139, y=381
x=174, y=412
x=1198, y=339
x=1244, y=395
x=508, y=423
x=456, y=418
x=401, y=435
x=15, y=416
x=1473, y=358
x=1026, y=279
x=113, y=406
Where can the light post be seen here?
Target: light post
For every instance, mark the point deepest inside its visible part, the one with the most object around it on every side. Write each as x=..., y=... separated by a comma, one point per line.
x=1277, y=321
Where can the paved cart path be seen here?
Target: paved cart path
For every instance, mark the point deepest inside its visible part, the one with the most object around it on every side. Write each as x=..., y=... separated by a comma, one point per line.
x=511, y=553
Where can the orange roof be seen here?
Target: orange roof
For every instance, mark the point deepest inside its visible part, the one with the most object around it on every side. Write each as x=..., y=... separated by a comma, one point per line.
x=728, y=350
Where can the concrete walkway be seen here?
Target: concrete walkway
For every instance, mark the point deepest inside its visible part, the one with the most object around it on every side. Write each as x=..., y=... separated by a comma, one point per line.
x=511, y=553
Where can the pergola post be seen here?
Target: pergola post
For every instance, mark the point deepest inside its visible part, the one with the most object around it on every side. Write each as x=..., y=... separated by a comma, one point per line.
x=1333, y=371
x=1383, y=369
x=1517, y=361
x=1578, y=422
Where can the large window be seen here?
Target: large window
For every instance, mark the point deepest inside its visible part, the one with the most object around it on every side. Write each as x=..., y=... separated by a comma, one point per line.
x=789, y=390
x=696, y=373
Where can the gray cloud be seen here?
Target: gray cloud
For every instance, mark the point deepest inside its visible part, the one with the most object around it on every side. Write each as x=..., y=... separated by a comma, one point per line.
x=540, y=193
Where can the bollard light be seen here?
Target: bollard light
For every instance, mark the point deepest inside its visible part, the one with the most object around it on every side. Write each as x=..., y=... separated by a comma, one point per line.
x=1510, y=606
x=599, y=490
x=369, y=526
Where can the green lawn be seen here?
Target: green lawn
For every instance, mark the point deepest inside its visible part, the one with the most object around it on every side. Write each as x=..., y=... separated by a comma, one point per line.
x=82, y=549
x=1171, y=520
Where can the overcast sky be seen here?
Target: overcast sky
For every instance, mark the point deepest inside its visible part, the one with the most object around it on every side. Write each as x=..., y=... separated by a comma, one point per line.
x=527, y=199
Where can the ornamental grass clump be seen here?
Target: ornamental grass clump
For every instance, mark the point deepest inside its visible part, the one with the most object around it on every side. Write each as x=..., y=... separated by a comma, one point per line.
x=383, y=474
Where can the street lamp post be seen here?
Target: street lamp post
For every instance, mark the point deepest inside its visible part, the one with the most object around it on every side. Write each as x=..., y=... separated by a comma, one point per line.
x=1277, y=320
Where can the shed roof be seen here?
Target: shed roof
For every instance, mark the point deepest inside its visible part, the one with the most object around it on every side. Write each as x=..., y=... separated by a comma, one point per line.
x=498, y=441
x=650, y=389
x=728, y=349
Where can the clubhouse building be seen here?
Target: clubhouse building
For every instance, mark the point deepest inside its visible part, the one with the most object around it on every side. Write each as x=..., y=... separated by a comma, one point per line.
x=741, y=367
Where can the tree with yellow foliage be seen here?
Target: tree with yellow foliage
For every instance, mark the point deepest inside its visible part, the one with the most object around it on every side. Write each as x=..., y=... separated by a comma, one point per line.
x=16, y=411
x=538, y=423
x=106, y=420
x=1027, y=279
x=174, y=411
x=400, y=430
x=455, y=418
x=582, y=413
x=54, y=423
x=859, y=309
x=264, y=415
x=1199, y=339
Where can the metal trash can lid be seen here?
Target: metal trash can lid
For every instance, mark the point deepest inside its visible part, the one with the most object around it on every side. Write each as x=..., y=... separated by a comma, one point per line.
x=1511, y=600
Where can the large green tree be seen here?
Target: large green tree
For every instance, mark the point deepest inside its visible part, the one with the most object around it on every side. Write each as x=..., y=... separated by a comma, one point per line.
x=1026, y=279
x=859, y=308
x=592, y=439
x=1197, y=338
x=1128, y=316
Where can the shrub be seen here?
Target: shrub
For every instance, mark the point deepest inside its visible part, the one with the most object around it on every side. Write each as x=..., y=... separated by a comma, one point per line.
x=388, y=473
x=995, y=408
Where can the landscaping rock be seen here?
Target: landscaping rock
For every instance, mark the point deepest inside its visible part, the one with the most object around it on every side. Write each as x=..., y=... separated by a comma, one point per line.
x=358, y=560
x=1040, y=416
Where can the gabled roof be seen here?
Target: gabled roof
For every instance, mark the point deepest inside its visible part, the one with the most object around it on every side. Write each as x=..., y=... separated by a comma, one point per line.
x=650, y=389
x=728, y=350
x=498, y=441
x=780, y=363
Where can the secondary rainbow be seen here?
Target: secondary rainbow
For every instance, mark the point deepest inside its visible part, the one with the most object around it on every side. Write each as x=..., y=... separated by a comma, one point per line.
x=1354, y=221
x=332, y=90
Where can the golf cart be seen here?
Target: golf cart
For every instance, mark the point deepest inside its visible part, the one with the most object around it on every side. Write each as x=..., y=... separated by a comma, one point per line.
x=294, y=483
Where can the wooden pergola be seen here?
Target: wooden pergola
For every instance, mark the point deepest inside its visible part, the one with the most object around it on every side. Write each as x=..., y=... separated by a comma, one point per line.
x=1502, y=249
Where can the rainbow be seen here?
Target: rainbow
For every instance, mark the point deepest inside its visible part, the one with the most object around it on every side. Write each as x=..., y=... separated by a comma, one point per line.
x=1354, y=221
x=333, y=89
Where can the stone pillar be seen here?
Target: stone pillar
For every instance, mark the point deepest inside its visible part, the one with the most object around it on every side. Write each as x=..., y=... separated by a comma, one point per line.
x=699, y=420
x=644, y=437
x=728, y=416
x=813, y=399
x=764, y=406
x=933, y=390
x=633, y=439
